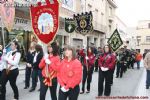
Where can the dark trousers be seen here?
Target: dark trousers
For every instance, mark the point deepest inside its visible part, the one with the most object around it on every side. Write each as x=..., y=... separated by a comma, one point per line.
x=148, y=78
x=112, y=75
x=35, y=74
x=82, y=60
x=138, y=64
x=53, y=90
x=132, y=64
x=120, y=69
x=104, y=76
x=0, y=73
x=96, y=65
x=27, y=76
x=87, y=76
x=11, y=77
x=72, y=94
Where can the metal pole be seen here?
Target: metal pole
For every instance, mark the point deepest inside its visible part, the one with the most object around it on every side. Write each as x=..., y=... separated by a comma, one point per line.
x=3, y=34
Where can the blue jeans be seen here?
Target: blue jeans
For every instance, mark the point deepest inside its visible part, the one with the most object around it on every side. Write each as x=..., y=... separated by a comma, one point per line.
x=148, y=78
x=138, y=64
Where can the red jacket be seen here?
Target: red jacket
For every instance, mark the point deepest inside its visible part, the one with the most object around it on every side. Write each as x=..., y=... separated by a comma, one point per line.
x=54, y=66
x=138, y=57
x=82, y=53
x=70, y=73
x=108, y=62
x=91, y=60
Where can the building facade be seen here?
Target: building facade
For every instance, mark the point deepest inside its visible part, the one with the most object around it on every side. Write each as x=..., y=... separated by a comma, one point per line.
x=143, y=36
x=103, y=22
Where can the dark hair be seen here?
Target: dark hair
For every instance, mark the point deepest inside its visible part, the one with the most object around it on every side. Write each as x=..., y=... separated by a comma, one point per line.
x=99, y=48
x=92, y=50
x=55, y=48
x=18, y=46
x=38, y=48
x=110, y=50
x=73, y=51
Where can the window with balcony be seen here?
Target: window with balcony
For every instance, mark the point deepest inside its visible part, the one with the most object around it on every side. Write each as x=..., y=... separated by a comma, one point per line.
x=89, y=7
x=110, y=28
x=96, y=14
x=147, y=38
x=110, y=11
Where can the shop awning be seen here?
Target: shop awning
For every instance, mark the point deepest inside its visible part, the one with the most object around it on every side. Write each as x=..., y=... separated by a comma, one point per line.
x=20, y=24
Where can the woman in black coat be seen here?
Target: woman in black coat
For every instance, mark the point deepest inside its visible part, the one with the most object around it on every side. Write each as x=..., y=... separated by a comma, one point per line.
x=29, y=58
x=36, y=70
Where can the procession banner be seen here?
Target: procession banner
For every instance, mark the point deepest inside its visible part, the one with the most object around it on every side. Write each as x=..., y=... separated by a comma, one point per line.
x=70, y=25
x=84, y=23
x=45, y=21
x=115, y=40
x=7, y=11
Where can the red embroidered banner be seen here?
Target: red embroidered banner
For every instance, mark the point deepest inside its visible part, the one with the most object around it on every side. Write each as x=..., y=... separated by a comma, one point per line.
x=45, y=20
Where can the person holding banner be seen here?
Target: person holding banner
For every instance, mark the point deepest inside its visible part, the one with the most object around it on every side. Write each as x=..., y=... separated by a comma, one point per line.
x=88, y=69
x=10, y=71
x=36, y=70
x=106, y=64
x=69, y=75
x=29, y=58
x=49, y=66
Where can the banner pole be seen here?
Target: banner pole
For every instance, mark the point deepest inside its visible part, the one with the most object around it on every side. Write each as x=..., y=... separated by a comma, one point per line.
x=3, y=34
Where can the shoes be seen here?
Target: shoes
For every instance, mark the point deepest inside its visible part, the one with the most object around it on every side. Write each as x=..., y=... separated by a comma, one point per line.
x=147, y=87
x=87, y=91
x=26, y=87
x=82, y=92
x=38, y=89
x=32, y=89
x=15, y=99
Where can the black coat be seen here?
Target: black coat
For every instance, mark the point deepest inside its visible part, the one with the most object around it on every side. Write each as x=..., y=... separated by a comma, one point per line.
x=38, y=60
x=30, y=57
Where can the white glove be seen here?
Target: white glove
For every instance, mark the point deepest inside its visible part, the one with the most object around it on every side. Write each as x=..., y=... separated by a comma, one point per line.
x=5, y=58
x=47, y=61
x=104, y=69
x=64, y=90
x=29, y=65
x=4, y=50
x=46, y=56
x=86, y=57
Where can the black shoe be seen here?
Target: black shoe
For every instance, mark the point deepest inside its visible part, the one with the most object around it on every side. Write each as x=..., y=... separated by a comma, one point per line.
x=99, y=95
x=26, y=87
x=87, y=91
x=15, y=99
x=116, y=76
x=82, y=92
x=32, y=89
x=147, y=87
x=38, y=89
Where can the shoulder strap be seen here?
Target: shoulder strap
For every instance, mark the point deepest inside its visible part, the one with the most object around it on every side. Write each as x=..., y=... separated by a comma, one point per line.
x=106, y=58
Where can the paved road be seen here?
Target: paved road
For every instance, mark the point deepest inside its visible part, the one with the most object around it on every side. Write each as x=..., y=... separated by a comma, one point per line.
x=132, y=84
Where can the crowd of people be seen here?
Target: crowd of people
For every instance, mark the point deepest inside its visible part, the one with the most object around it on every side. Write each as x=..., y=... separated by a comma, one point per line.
x=68, y=69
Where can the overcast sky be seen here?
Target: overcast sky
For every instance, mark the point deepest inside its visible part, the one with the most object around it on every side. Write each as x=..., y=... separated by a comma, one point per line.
x=130, y=11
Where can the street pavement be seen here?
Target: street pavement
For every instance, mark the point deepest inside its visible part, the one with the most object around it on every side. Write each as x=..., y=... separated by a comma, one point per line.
x=132, y=84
